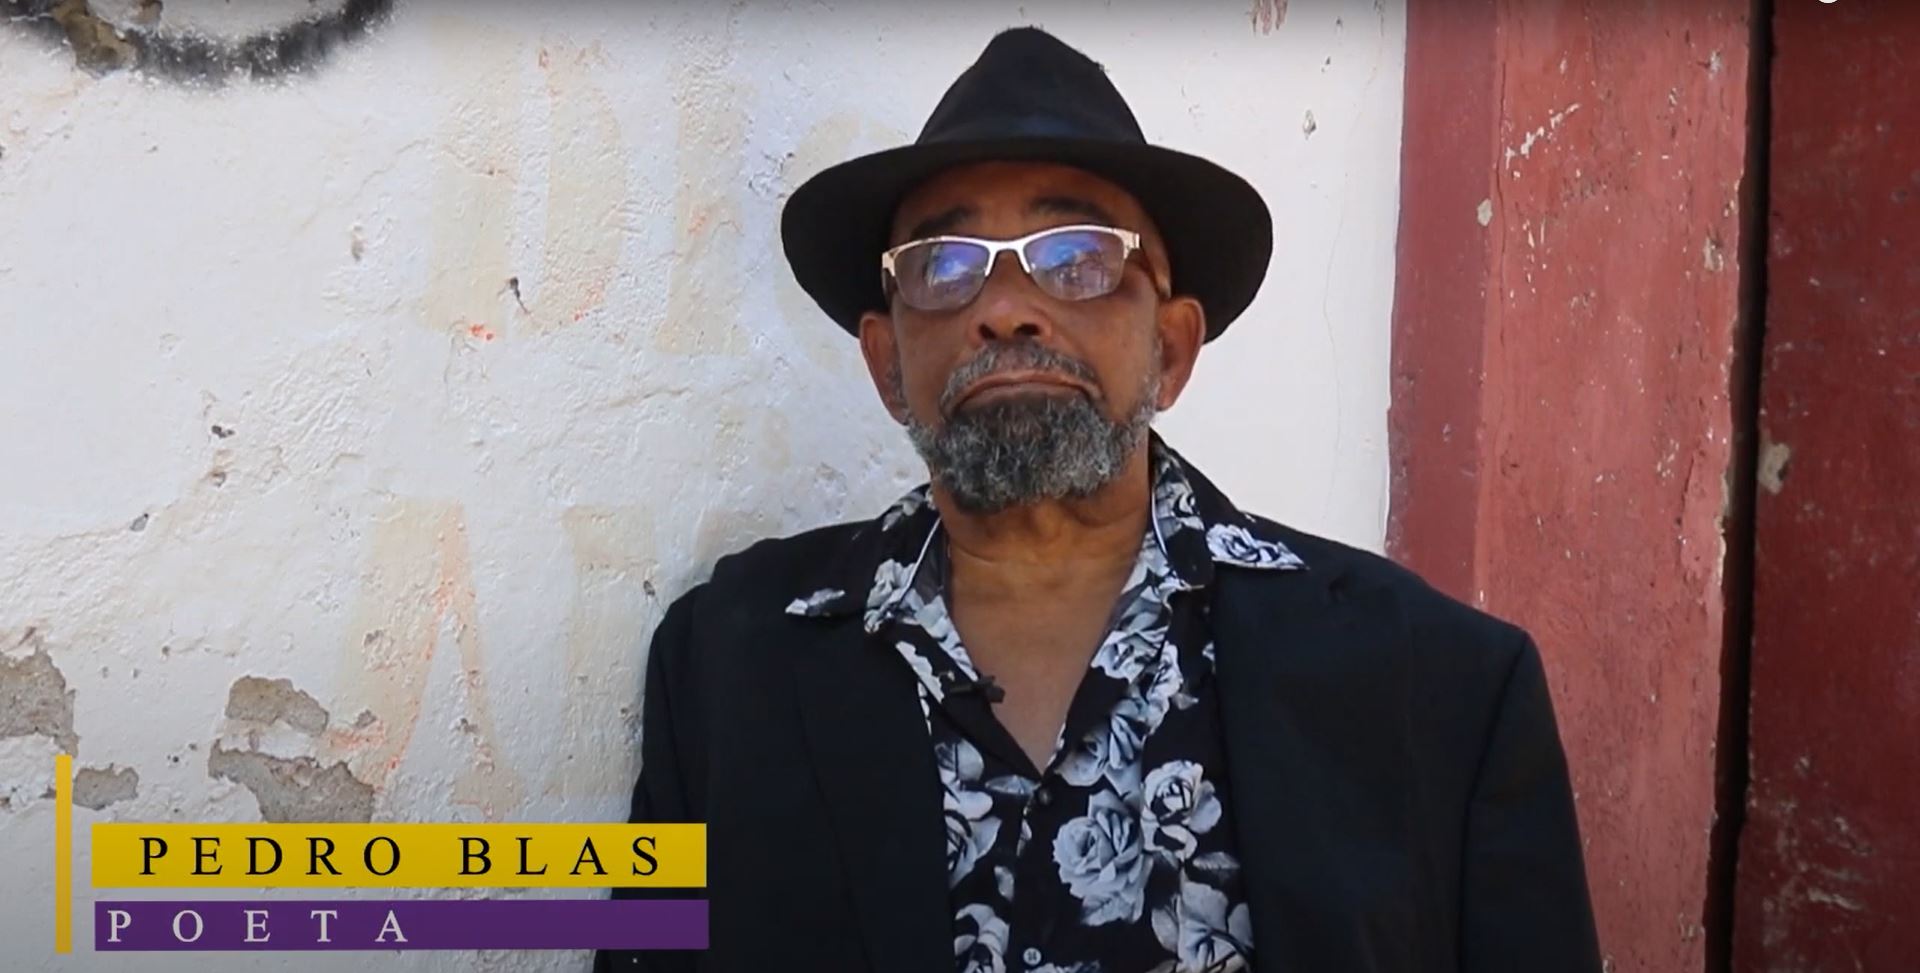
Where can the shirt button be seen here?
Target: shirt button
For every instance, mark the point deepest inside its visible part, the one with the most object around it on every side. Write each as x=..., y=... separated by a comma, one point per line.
x=1031, y=957
x=1044, y=796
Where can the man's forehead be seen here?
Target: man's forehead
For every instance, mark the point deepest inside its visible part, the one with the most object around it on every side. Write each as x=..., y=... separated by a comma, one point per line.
x=966, y=192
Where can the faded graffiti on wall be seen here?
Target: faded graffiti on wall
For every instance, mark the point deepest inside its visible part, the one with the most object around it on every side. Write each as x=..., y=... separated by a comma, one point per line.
x=137, y=35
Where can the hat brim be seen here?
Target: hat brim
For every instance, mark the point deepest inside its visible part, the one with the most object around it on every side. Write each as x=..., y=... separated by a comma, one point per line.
x=1218, y=231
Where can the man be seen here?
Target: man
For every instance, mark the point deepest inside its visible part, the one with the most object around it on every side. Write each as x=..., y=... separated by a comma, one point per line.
x=1067, y=708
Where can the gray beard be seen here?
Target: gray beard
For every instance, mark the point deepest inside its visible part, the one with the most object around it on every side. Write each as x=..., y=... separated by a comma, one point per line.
x=1022, y=451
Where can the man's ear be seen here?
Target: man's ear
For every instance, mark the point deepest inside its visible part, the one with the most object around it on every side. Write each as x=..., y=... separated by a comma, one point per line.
x=1182, y=323
x=882, y=354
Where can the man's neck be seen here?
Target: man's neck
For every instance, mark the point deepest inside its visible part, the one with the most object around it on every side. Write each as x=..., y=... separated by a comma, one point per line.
x=1039, y=547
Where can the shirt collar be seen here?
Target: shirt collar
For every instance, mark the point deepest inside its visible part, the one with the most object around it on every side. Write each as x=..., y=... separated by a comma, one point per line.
x=1195, y=526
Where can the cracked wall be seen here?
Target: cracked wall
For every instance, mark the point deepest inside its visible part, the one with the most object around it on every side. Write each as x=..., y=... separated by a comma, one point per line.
x=362, y=417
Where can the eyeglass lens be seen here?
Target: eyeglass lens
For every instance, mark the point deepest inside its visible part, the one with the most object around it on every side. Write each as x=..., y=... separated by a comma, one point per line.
x=1071, y=265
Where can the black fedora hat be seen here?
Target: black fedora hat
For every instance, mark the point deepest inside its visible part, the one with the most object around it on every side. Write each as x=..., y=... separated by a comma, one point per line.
x=1030, y=97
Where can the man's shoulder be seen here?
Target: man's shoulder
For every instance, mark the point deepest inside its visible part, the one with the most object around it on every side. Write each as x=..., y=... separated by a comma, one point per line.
x=1350, y=574
x=1431, y=614
x=789, y=552
x=750, y=589
x=1463, y=656
x=773, y=562
x=768, y=574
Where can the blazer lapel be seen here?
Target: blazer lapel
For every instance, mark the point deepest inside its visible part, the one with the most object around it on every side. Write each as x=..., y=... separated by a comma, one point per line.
x=1314, y=689
x=862, y=723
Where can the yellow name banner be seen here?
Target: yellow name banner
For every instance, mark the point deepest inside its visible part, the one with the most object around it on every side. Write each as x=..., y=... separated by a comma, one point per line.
x=399, y=855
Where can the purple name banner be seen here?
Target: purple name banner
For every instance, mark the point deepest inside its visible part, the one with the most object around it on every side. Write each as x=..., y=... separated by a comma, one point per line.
x=349, y=924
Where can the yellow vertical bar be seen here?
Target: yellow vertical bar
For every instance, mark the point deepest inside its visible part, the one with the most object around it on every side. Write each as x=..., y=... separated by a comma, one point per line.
x=63, y=853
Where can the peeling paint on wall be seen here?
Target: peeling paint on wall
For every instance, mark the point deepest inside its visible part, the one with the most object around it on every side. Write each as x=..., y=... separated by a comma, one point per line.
x=1773, y=464
x=35, y=700
x=269, y=700
x=95, y=788
x=294, y=789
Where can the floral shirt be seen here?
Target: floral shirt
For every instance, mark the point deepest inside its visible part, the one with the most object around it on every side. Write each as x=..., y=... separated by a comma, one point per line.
x=1119, y=855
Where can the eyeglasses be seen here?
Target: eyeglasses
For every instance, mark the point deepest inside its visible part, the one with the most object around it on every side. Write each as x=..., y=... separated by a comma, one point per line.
x=1068, y=263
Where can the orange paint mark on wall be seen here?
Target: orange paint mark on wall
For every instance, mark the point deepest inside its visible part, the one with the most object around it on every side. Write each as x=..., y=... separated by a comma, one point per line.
x=475, y=172
x=586, y=187
x=1268, y=15
x=703, y=291
x=615, y=603
x=480, y=177
x=416, y=590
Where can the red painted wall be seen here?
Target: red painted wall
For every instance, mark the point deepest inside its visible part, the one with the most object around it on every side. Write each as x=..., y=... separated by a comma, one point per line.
x=1829, y=867
x=1562, y=418
x=1442, y=291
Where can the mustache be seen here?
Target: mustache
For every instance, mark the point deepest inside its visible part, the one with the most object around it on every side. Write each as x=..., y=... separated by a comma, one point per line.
x=1010, y=358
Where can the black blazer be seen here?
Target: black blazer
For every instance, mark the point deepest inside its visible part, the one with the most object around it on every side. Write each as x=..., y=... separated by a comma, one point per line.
x=1398, y=780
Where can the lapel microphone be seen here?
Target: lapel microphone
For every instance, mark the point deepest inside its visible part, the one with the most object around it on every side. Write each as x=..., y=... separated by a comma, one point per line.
x=984, y=686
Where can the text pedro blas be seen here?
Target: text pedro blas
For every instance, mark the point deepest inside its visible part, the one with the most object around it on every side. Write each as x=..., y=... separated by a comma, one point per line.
x=381, y=856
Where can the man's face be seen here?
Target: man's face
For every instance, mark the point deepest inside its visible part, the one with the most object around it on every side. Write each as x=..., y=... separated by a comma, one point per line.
x=1018, y=395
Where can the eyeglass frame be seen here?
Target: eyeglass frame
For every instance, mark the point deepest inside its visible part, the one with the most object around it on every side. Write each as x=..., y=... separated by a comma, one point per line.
x=1130, y=242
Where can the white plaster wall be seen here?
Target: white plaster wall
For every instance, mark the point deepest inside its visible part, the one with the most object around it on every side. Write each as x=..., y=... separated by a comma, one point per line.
x=452, y=520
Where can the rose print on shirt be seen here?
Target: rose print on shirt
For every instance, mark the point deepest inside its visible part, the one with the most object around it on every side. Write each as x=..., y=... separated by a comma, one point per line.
x=979, y=941
x=811, y=604
x=1202, y=931
x=922, y=670
x=888, y=580
x=971, y=830
x=906, y=507
x=1180, y=806
x=1131, y=646
x=1235, y=544
x=1173, y=498
x=932, y=616
x=1112, y=750
x=1101, y=861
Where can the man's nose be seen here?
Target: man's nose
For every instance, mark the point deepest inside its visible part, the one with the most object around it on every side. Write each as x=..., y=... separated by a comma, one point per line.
x=1010, y=304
